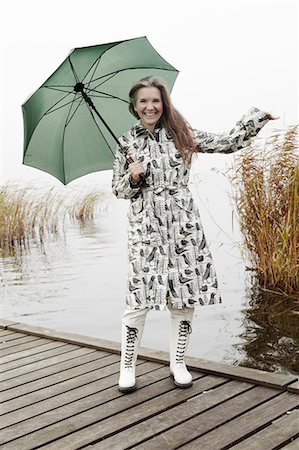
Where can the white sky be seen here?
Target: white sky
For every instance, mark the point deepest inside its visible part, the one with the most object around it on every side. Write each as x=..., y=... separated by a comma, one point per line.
x=231, y=55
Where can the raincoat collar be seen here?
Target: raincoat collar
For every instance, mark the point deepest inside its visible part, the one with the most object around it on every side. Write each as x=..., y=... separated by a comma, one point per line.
x=139, y=130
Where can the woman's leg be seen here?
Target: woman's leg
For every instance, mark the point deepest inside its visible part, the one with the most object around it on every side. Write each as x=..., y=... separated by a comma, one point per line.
x=131, y=334
x=180, y=329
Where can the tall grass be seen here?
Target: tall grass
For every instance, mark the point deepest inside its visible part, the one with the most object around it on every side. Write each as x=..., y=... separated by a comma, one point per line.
x=26, y=216
x=83, y=207
x=267, y=201
x=29, y=215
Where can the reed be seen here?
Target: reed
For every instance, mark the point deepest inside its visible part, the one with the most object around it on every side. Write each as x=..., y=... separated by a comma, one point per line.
x=30, y=215
x=267, y=201
x=84, y=206
x=27, y=216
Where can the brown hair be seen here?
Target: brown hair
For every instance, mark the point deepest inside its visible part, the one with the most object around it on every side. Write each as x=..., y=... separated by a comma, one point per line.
x=171, y=120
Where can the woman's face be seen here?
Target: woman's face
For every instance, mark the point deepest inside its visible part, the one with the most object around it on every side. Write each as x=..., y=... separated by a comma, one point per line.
x=149, y=106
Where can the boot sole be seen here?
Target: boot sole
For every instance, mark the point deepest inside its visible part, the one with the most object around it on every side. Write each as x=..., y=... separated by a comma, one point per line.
x=127, y=390
x=181, y=386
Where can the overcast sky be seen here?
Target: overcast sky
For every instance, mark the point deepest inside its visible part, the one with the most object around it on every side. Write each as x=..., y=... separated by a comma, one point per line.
x=231, y=55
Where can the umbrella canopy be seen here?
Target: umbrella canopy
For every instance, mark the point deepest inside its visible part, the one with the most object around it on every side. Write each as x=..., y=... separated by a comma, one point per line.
x=71, y=123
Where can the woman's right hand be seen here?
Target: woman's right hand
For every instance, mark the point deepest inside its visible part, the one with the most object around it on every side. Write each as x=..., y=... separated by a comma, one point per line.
x=137, y=170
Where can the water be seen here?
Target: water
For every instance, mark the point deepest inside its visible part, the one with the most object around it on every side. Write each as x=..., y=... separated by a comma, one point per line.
x=79, y=286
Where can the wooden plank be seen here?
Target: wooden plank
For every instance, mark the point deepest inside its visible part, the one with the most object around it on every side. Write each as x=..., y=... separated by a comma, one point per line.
x=294, y=387
x=41, y=364
x=240, y=428
x=17, y=435
x=276, y=434
x=260, y=377
x=77, y=389
x=56, y=348
x=13, y=339
x=15, y=343
x=159, y=423
x=72, y=338
x=77, y=358
x=125, y=411
x=235, y=372
x=5, y=323
x=25, y=346
x=30, y=352
x=4, y=332
x=294, y=445
x=208, y=420
x=86, y=396
x=70, y=379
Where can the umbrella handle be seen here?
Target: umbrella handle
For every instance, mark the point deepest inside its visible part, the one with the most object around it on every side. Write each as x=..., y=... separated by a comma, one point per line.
x=130, y=161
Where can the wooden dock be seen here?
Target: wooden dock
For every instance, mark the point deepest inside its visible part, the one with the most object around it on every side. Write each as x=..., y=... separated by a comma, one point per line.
x=59, y=391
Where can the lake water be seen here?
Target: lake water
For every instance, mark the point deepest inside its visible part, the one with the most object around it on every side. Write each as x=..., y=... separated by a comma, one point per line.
x=79, y=286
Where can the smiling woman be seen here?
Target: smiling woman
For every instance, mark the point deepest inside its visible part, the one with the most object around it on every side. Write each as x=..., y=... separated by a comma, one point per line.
x=170, y=264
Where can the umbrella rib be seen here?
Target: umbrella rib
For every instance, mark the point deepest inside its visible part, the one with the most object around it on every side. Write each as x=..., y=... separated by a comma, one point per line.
x=95, y=68
x=104, y=81
x=58, y=85
x=74, y=112
x=131, y=68
x=73, y=70
x=61, y=106
x=107, y=95
x=55, y=88
x=100, y=57
x=55, y=104
x=67, y=121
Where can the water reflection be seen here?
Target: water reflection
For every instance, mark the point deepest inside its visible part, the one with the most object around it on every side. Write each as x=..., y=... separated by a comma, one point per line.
x=271, y=332
x=78, y=286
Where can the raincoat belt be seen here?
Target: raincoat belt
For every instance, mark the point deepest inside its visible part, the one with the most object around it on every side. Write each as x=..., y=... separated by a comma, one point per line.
x=152, y=196
x=172, y=189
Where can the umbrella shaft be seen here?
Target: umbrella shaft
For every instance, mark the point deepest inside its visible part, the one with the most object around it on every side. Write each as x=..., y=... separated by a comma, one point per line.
x=91, y=104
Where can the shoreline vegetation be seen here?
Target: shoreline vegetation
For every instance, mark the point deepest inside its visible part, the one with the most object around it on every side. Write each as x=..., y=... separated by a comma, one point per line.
x=266, y=195
x=30, y=215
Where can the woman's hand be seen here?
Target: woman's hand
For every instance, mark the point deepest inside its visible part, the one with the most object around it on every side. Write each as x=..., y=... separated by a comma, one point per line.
x=271, y=117
x=136, y=169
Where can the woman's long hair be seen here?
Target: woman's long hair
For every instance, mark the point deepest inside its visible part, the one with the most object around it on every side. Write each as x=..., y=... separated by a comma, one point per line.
x=171, y=119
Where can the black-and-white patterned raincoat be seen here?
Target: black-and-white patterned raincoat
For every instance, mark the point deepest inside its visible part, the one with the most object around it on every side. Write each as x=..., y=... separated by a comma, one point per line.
x=168, y=255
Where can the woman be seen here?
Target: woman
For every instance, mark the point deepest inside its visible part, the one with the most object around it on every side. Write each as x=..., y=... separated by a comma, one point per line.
x=170, y=265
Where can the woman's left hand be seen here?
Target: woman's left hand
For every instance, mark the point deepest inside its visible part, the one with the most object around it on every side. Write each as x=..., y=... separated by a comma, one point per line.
x=271, y=117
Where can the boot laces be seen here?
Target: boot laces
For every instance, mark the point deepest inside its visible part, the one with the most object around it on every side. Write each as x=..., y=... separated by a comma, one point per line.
x=184, y=330
x=132, y=335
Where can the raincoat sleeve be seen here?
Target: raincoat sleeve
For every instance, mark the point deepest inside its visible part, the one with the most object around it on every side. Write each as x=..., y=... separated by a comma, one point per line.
x=121, y=184
x=237, y=138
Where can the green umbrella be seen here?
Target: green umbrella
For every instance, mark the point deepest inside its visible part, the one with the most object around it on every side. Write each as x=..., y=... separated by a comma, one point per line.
x=71, y=123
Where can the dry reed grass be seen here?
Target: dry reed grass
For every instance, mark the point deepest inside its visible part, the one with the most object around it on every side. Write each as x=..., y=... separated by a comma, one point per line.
x=267, y=200
x=29, y=216
x=84, y=206
x=26, y=216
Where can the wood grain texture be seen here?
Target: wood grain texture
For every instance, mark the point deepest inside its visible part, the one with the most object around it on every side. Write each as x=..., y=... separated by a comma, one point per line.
x=59, y=391
x=277, y=433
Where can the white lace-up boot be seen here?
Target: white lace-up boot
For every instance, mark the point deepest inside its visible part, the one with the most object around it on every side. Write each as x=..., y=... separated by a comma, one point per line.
x=180, y=329
x=130, y=339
